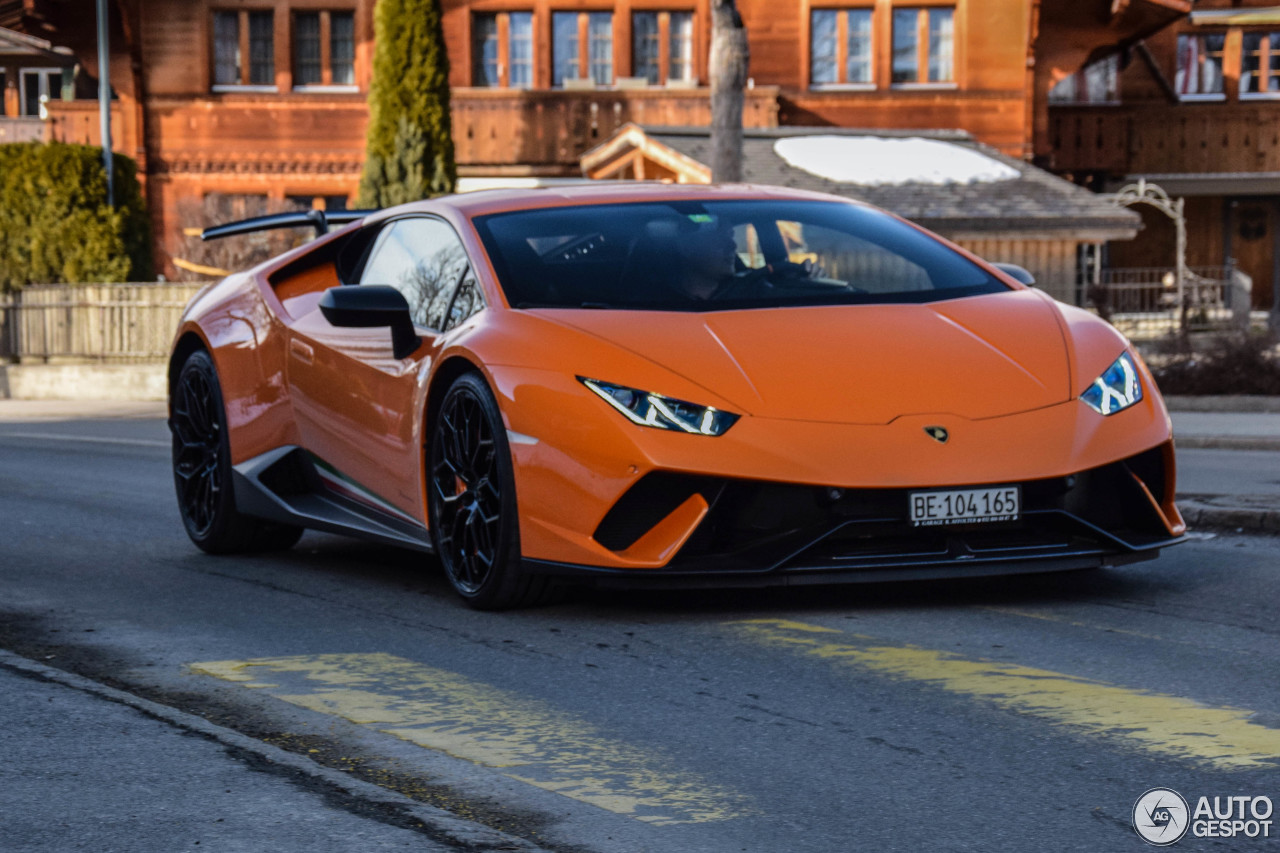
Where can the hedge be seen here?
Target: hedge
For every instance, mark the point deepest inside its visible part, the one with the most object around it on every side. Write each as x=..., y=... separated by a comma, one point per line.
x=55, y=224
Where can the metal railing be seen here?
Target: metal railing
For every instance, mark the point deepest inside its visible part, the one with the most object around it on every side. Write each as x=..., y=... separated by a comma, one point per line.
x=1143, y=302
x=118, y=323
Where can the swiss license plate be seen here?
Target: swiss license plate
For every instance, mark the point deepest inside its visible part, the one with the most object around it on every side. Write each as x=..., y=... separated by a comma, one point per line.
x=965, y=506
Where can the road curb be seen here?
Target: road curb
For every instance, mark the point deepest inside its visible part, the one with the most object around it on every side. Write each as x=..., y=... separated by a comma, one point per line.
x=1226, y=442
x=1222, y=403
x=1236, y=518
x=466, y=834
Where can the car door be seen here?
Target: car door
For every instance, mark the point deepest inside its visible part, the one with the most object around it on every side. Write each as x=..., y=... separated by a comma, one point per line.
x=354, y=402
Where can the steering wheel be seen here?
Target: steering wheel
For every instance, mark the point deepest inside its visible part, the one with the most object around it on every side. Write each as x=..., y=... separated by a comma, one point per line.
x=782, y=272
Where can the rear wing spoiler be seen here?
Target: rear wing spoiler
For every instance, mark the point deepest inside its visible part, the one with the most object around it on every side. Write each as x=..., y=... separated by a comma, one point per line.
x=317, y=219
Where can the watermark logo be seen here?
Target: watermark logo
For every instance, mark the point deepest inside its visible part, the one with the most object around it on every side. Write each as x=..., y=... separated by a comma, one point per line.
x=1232, y=817
x=1161, y=817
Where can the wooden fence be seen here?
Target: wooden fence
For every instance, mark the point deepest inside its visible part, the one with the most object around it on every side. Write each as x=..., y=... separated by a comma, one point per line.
x=116, y=323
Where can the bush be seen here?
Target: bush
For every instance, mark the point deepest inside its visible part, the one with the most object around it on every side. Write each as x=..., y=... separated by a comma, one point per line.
x=55, y=224
x=1227, y=364
x=409, y=148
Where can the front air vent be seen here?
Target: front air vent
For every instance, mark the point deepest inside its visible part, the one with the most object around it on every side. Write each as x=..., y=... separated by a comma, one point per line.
x=651, y=499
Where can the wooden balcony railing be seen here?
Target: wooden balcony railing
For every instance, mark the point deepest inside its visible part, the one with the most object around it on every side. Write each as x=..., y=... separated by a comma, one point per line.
x=553, y=128
x=1179, y=138
x=21, y=130
x=77, y=122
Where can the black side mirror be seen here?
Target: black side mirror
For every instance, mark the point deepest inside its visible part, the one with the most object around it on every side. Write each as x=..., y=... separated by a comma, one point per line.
x=1017, y=273
x=371, y=305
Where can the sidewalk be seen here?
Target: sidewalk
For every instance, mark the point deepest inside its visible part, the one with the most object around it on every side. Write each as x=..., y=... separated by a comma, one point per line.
x=91, y=768
x=1245, y=494
x=17, y=411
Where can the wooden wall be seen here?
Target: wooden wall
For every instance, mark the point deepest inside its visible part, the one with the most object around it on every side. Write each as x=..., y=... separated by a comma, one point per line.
x=1052, y=262
x=177, y=41
x=988, y=97
x=457, y=31
x=548, y=131
x=1159, y=138
x=994, y=118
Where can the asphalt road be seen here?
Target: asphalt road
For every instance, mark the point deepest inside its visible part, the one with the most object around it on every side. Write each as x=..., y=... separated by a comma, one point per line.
x=1012, y=714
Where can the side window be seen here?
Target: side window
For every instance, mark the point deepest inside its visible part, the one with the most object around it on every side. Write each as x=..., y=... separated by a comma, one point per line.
x=468, y=301
x=423, y=259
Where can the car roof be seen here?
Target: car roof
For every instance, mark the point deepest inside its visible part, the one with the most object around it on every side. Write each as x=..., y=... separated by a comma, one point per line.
x=484, y=202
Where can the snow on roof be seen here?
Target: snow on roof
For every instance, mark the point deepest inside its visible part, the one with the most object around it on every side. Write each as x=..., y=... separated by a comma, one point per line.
x=878, y=161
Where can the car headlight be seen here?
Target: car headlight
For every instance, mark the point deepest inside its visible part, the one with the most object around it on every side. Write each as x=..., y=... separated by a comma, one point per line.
x=1116, y=389
x=654, y=410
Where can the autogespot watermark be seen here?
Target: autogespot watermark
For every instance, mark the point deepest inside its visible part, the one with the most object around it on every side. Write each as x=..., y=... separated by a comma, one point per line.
x=1161, y=817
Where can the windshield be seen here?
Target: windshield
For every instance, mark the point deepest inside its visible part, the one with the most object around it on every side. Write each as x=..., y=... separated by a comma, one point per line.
x=718, y=255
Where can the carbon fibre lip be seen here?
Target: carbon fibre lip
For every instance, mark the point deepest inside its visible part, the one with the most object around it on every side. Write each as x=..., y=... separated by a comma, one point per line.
x=666, y=579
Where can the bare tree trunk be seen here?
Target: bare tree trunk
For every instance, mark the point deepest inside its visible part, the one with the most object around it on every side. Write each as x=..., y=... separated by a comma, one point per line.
x=728, y=79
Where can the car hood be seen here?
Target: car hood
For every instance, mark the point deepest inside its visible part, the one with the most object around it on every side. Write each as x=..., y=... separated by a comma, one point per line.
x=979, y=357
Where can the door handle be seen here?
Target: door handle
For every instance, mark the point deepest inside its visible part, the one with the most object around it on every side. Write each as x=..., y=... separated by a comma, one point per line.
x=302, y=351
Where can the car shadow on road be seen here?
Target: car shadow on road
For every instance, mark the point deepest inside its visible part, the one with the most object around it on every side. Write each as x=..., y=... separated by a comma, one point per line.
x=422, y=574
x=915, y=595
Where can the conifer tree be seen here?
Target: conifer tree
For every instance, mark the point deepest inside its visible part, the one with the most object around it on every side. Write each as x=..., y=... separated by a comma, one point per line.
x=409, y=148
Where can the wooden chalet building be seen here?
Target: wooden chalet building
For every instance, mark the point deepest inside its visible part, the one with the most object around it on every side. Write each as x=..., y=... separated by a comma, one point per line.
x=266, y=98
x=32, y=73
x=1196, y=110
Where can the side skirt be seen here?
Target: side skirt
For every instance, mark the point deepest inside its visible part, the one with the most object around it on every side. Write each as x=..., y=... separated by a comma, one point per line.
x=284, y=485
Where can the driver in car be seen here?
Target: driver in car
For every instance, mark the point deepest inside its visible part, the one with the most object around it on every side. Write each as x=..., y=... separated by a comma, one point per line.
x=708, y=258
x=695, y=258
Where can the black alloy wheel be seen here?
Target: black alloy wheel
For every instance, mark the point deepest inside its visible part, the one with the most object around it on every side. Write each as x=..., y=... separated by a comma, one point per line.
x=472, y=501
x=202, y=468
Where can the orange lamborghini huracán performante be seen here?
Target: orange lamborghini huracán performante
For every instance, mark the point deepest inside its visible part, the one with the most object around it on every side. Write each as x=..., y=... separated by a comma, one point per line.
x=647, y=384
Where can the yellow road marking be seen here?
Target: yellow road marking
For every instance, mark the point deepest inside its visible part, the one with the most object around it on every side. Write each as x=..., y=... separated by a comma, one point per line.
x=1171, y=725
x=525, y=738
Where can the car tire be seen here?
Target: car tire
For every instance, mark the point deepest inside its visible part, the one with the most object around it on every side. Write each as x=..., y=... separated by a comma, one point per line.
x=202, y=469
x=472, y=501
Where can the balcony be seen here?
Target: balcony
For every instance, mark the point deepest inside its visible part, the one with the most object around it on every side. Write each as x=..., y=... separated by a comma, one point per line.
x=77, y=122
x=22, y=130
x=551, y=129
x=1187, y=138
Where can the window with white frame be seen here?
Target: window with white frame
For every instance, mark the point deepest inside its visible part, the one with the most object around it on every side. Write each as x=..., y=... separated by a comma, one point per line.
x=502, y=49
x=1200, y=64
x=39, y=85
x=1260, y=64
x=324, y=49
x=244, y=48
x=840, y=47
x=570, y=64
x=923, y=45
x=662, y=46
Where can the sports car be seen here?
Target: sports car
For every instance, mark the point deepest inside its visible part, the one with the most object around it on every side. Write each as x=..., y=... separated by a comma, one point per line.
x=662, y=385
